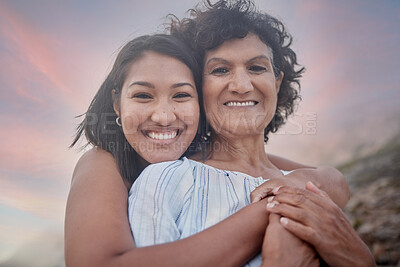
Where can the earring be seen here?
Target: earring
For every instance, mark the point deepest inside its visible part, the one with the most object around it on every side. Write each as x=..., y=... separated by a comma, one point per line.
x=273, y=123
x=206, y=133
x=265, y=137
x=118, y=121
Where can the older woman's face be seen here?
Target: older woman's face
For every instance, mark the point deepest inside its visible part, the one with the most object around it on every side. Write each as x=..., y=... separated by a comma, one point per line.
x=159, y=107
x=239, y=87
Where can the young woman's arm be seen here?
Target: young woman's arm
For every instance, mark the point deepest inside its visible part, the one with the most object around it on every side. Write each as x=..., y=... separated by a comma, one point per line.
x=282, y=248
x=97, y=231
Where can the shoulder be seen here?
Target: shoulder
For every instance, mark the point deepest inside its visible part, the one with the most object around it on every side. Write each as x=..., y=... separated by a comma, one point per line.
x=286, y=164
x=94, y=166
x=95, y=157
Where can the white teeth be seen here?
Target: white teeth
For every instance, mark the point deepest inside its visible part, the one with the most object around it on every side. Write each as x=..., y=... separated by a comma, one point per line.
x=162, y=136
x=241, y=104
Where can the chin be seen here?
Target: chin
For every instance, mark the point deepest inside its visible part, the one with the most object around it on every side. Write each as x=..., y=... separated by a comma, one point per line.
x=161, y=157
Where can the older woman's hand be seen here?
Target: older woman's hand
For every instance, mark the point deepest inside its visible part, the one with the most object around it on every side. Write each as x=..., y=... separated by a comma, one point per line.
x=313, y=217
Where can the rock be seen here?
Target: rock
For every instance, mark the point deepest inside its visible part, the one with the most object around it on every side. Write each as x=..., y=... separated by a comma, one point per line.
x=374, y=208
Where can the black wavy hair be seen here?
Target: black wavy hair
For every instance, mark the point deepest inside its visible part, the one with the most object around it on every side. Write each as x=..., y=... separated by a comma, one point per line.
x=209, y=26
x=99, y=126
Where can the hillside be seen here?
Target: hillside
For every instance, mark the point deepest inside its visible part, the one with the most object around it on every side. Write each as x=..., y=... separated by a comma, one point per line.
x=374, y=208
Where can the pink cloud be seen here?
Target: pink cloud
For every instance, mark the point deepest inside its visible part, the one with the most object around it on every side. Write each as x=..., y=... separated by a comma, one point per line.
x=23, y=93
x=44, y=54
x=34, y=44
x=32, y=149
x=36, y=170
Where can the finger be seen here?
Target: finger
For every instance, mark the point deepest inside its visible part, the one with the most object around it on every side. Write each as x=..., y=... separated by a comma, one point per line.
x=296, y=200
x=312, y=208
x=274, y=218
x=288, y=190
x=315, y=198
x=303, y=232
x=260, y=193
x=321, y=219
x=270, y=199
x=276, y=189
x=256, y=199
x=292, y=212
x=313, y=188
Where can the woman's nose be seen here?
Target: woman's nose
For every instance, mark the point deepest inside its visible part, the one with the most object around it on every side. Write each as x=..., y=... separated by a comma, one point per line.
x=241, y=83
x=163, y=114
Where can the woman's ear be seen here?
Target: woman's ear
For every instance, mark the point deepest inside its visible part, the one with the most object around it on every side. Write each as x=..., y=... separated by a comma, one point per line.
x=115, y=97
x=279, y=82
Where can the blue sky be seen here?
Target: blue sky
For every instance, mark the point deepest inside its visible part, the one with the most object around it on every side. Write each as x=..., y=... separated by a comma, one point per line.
x=55, y=54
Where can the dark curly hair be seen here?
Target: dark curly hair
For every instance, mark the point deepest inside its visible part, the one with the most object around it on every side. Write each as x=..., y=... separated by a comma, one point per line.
x=99, y=125
x=208, y=27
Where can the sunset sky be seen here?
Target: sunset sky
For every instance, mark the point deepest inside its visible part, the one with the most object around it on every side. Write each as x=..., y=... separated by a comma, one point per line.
x=55, y=54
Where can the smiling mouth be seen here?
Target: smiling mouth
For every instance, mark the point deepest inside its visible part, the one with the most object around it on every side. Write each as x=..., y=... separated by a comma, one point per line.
x=162, y=135
x=241, y=103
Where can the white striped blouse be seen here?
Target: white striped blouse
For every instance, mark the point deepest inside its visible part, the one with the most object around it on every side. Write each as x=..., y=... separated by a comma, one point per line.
x=176, y=199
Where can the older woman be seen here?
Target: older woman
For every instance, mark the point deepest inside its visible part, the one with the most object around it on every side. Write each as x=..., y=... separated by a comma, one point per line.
x=249, y=88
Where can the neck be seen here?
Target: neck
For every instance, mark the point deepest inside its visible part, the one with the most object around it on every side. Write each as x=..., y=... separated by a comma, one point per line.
x=245, y=154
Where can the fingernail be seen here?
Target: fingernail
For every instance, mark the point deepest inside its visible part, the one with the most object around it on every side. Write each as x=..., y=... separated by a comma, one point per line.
x=316, y=187
x=270, y=199
x=284, y=221
x=271, y=205
x=276, y=189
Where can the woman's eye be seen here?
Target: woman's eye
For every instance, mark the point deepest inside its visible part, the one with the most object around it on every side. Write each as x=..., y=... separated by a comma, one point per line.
x=142, y=96
x=182, y=95
x=257, y=68
x=220, y=70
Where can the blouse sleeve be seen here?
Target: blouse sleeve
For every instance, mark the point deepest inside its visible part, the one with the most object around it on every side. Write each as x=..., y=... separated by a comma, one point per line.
x=156, y=201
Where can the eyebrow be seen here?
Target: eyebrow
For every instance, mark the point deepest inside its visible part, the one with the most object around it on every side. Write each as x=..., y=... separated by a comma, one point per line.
x=259, y=57
x=227, y=62
x=142, y=84
x=149, y=85
x=217, y=59
x=177, y=85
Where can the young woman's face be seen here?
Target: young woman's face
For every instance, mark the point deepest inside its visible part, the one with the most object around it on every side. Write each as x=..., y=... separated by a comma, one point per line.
x=159, y=107
x=239, y=86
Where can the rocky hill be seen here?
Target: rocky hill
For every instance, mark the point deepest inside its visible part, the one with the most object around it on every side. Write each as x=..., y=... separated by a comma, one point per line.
x=374, y=208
